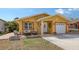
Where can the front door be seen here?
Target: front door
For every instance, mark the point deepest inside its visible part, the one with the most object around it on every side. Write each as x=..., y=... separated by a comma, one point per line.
x=45, y=28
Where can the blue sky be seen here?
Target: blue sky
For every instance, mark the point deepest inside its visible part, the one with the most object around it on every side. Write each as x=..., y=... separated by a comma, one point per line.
x=8, y=14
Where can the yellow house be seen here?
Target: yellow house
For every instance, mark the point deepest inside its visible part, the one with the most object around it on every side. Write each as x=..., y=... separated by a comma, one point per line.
x=43, y=23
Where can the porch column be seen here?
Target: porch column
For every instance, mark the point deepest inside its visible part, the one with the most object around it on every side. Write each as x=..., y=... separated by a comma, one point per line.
x=42, y=24
x=35, y=26
x=21, y=27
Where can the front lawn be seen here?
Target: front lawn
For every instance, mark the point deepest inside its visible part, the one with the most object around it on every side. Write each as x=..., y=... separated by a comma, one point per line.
x=28, y=44
x=39, y=44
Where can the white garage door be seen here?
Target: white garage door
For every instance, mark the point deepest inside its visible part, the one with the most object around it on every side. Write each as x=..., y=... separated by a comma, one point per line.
x=60, y=28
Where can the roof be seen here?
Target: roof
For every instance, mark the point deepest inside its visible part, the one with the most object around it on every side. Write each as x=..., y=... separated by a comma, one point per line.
x=53, y=16
x=37, y=16
x=74, y=21
x=60, y=15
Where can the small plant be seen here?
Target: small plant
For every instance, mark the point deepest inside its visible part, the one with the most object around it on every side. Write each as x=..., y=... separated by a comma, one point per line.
x=1, y=33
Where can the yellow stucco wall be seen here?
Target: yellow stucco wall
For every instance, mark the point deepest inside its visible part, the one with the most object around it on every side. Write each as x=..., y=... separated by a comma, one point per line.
x=59, y=20
x=21, y=25
x=31, y=19
x=36, y=25
x=56, y=19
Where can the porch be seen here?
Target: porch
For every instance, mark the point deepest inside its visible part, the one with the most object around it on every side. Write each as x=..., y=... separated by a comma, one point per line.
x=30, y=28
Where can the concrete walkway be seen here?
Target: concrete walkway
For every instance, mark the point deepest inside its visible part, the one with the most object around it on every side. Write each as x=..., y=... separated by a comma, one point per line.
x=6, y=36
x=67, y=42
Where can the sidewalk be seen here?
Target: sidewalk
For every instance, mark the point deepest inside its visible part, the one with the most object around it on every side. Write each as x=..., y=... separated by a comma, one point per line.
x=6, y=36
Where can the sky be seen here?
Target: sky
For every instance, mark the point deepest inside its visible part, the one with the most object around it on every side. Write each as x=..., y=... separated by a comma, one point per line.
x=8, y=14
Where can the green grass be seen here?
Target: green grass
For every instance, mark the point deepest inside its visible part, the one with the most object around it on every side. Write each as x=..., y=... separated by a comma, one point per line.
x=39, y=44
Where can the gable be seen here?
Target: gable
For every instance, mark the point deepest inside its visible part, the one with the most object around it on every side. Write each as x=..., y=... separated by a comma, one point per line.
x=56, y=18
x=59, y=18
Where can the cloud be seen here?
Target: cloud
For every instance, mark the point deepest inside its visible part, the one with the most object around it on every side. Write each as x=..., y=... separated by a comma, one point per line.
x=59, y=11
x=76, y=9
x=70, y=9
x=66, y=11
x=73, y=9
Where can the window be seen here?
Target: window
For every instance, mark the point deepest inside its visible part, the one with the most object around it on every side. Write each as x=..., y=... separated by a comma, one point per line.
x=71, y=26
x=28, y=26
x=76, y=26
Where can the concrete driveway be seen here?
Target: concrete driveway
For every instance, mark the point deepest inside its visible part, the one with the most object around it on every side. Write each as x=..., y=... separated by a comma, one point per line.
x=65, y=41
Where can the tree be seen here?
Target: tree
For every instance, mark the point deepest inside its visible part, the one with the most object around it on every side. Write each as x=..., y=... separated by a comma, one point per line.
x=11, y=26
x=16, y=18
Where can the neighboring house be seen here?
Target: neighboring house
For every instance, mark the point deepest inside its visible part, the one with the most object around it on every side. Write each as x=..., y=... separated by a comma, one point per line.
x=74, y=26
x=2, y=25
x=44, y=23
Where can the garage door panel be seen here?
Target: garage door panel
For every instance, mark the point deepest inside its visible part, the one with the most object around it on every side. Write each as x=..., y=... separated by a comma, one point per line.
x=60, y=28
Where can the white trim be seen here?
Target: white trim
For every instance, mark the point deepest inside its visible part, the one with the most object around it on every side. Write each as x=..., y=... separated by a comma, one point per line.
x=42, y=25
